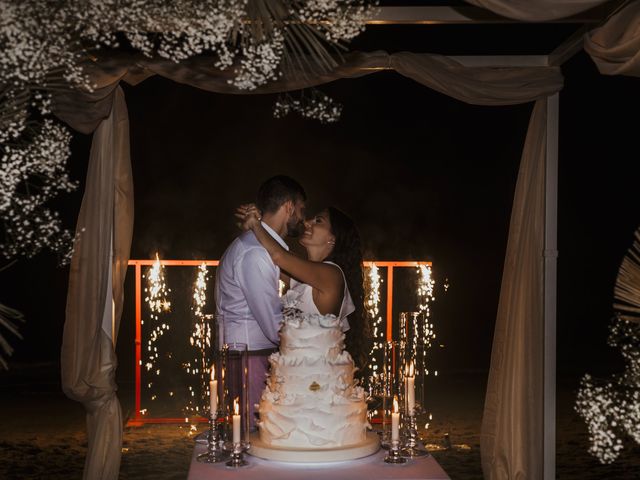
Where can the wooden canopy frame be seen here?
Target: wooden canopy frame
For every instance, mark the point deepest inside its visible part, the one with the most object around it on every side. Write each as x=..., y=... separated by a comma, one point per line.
x=471, y=15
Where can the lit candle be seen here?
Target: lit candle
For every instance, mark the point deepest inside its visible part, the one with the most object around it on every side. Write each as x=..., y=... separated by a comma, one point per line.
x=395, y=421
x=410, y=390
x=213, y=391
x=236, y=421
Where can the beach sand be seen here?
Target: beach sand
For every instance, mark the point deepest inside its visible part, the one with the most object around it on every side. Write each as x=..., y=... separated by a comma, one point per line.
x=42, y=433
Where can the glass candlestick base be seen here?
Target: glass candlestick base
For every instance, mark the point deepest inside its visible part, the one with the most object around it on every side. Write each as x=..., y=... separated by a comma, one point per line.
x=237, y=457
x=414, y=452
x=214, y=453
x=394, y=454
x=411, y=448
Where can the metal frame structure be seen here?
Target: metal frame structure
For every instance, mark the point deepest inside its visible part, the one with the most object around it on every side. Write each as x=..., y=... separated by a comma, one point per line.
x=139, y=419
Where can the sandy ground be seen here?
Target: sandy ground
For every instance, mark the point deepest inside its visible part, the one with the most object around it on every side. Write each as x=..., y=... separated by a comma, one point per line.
x=42, y=434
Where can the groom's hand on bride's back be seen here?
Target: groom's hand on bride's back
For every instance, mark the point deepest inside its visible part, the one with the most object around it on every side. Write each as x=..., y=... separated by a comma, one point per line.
x=248, y=216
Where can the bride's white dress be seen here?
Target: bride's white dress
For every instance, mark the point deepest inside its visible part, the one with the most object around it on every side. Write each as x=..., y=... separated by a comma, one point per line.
x=301, y=296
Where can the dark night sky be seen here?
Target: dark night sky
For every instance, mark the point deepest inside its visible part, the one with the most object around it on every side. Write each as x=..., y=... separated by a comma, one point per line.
x=424, y=176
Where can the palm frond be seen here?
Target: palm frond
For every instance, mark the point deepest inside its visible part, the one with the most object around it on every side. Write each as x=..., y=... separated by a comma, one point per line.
x=294, y=61
x=8, y=319
x=305, y=42
x=627, y=288
x=313, y=43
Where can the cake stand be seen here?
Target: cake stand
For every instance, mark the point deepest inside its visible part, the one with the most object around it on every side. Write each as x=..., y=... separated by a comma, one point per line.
x=308, y=455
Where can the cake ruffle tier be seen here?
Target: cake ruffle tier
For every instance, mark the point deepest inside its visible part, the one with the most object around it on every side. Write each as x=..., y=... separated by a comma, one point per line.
x=312, y=424
x=311, y=339
x=305, y=376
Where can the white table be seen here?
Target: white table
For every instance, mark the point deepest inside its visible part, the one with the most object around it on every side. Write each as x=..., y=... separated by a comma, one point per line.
x=368, y=468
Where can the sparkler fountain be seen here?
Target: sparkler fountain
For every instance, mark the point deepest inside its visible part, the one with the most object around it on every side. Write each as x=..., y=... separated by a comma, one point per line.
x=200, y=341
x=157, y=299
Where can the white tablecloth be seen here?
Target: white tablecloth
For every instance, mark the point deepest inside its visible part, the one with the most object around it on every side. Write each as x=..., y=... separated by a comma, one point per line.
x=368, y=468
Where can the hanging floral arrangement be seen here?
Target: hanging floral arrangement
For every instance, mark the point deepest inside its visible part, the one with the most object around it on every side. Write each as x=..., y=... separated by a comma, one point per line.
x=45, y=43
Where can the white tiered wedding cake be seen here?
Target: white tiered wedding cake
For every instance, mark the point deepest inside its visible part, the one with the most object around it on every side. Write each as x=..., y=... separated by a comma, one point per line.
x=311, y=401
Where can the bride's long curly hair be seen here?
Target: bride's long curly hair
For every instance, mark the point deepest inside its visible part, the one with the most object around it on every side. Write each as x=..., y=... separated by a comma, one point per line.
x=347, y=253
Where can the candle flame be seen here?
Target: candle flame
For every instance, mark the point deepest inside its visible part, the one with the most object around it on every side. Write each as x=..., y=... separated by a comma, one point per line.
x=395, y=404
x=236, y=406
x=213, y=372
x=411, y=370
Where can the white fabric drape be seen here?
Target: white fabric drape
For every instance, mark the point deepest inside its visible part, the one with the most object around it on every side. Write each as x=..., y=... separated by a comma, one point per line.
x=511, y=438
x=537, y=10
x=615, y=47
x=96, y=279
x=477, y=85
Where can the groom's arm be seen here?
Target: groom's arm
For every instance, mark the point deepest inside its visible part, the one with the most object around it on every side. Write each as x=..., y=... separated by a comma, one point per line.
x=258, y=279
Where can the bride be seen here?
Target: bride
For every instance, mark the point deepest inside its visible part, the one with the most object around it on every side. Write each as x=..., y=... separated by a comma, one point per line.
x=330, y=281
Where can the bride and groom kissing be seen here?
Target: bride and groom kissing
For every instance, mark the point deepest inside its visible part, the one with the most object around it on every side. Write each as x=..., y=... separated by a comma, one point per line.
x=329, y=281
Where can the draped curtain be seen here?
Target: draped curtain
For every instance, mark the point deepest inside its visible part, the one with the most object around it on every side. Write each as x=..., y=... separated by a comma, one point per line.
x=615, y=46
x=511, y=441
x=511, y=436
x=537, y=10
x=95, y=295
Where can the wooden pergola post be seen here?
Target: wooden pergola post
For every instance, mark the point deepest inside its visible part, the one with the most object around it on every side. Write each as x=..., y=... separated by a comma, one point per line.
x=550, y=287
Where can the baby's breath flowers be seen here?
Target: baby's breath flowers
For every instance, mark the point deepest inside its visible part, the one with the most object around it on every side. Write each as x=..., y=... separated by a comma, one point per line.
x=313, y=105
x=611, y=408
x=32, y=173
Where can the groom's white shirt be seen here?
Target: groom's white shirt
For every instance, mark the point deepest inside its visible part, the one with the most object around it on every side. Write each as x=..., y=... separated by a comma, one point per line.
x=246, y=292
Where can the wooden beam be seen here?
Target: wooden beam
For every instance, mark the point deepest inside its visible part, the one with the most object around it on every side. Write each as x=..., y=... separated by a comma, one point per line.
x=491, y=61
x=434, y=15
x=501, y=60
x=550, y=288
x=569, y=47
x=468, y=14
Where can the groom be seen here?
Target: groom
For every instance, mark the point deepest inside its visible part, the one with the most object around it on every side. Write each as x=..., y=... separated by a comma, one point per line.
x=247, y=280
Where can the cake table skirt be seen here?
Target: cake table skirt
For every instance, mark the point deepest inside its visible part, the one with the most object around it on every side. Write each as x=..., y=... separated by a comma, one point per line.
x=365, y=468
x=307, y=455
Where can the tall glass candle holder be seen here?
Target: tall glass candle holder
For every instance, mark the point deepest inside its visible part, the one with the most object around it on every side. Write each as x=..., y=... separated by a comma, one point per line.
x=219, y=359
x=215, y=453
x=236, y=396
x=392, y=380
x=215, y=380
x=394, y=456
x=413, y=358
x=412, y=326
